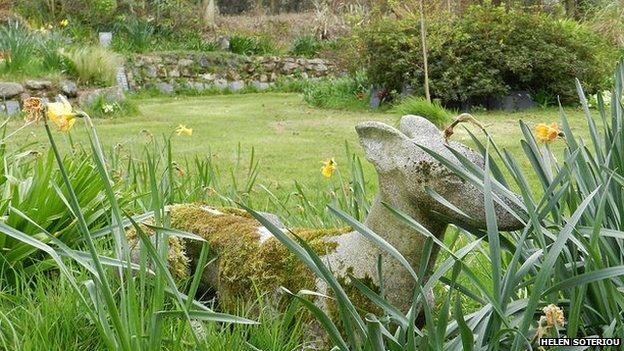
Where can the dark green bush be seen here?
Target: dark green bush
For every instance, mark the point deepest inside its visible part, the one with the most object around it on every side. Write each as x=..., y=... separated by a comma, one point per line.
x=306, y=46
x=252, y=45
x=488, y=52
x=338, y=93
x=135, y=34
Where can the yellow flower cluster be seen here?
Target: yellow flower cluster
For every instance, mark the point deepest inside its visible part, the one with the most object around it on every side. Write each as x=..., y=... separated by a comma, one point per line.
x=547, y=133
x=45, y=29
x=183, y=130
x=329, y=166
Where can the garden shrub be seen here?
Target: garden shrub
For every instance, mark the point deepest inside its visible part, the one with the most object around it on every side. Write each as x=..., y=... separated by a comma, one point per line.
x=433, y=111
x=488, y=52
x=50, y=46
x=251, y=45
x=136, y=32
x=93, y=65
x=344, y=92
x=306, y=46
x=17, y=45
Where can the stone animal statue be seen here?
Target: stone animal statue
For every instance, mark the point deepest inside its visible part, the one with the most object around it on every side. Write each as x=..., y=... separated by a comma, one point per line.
x=251, y=259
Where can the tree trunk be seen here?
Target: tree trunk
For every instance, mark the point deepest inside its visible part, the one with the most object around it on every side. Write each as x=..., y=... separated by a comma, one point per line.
x=209, y=13
x=423, y=39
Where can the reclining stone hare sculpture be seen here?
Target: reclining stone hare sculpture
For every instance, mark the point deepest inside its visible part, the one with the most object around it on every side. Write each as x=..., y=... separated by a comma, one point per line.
x=251, y=259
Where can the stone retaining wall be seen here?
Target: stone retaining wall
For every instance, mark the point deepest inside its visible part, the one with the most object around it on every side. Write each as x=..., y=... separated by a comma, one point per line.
x=168, y=72
x=12, y=94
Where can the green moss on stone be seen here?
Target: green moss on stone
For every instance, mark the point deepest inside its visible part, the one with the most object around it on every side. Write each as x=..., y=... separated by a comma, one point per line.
x=244, y=263
x=178, y=259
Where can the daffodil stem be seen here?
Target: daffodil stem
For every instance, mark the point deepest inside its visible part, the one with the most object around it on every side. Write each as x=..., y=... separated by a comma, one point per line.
x=82, y=224
x=71, y=140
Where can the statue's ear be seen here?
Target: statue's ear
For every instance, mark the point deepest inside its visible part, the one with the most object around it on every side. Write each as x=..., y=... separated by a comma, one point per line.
x=382, y=144
x=413, y=126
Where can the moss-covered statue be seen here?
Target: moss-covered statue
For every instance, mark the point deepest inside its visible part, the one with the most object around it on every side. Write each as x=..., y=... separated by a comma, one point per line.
x=251, y=259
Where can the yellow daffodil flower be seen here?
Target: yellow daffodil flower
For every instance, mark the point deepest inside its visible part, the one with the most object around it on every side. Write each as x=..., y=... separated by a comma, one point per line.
x=182, y=130
x=329, y=166
x=61, y=114
x=64, y=23
x=547, y=133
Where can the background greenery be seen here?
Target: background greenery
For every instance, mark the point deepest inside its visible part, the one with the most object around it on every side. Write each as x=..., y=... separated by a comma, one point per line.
x=489, y=52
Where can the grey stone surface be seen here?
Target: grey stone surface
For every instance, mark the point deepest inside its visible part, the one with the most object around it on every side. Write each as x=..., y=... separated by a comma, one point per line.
x=151, y=71
x=224, y=43
x=221, y=84
x=10, y=107
x=203, y=62
x=289, y=67
x=10, y=89
x=208, y=77
x=198, y=86
x=236, y=85
x=375, y=100
x=185, y=62
x=111, y=94
x=164, y=87
x=260, y=85
x=106, y=38
x=38, y=84
x=69, y=88
x=122, y=78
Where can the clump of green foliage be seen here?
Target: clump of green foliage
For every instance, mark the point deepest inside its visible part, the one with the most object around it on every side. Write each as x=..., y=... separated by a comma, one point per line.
x=102, y=107
x=29, y=53
x=252, y=45
x=306, y=46
x=93, y=65
x=419, y=106
x=134, y=33
x=339, y=93
x=18, y=46
x=488, y=51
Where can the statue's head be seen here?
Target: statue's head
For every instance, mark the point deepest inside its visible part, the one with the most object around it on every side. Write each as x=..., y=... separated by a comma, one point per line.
x=404, y=169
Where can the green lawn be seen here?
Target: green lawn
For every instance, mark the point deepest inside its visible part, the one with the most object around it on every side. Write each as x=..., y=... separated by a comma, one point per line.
x=290, y=138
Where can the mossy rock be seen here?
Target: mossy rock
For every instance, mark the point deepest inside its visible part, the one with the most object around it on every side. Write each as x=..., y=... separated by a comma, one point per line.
x=249, y=258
